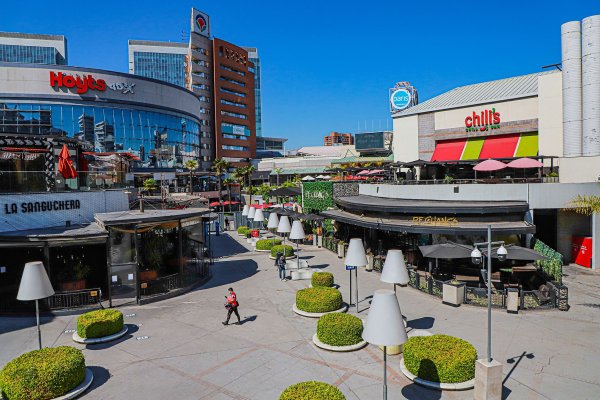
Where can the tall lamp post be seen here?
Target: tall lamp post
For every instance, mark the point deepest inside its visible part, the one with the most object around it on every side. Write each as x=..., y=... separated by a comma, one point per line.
x=245, y=211
x=297, y=233
x=355, y=258
x=394, y=269
x=384, y=326
x=35, y=285
x=251, y=214
x=283, y=228
x=273, y=222
x=488, y=382
x=259, y=216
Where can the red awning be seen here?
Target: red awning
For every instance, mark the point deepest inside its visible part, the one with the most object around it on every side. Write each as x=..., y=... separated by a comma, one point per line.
x=448, y=150
x=499, y=146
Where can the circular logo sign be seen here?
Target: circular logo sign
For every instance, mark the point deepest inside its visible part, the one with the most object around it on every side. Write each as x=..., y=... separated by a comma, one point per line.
x=201, y=22
x=400, y=99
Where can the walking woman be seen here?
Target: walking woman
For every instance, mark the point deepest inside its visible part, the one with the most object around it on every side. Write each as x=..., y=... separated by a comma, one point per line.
x=280, y=262
x=232, y=306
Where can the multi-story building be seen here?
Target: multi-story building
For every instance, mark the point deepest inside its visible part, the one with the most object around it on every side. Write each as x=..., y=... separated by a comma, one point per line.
x=235, y=126
x=253, y=56
x=337, y=138
x=270, y=147
x=27, y=48
x=164, y=61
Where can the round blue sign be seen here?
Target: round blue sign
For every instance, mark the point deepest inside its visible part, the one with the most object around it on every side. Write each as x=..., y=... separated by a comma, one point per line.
x=400, y=99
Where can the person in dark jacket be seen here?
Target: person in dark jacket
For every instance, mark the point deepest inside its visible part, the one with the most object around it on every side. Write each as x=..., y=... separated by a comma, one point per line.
x=232, y=306
x=280, y=263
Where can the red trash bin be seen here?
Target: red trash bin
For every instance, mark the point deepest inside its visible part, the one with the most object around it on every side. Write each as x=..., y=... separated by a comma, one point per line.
x=581, y=251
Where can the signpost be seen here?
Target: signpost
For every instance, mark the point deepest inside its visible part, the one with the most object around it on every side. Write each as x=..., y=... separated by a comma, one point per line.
x=350, y=268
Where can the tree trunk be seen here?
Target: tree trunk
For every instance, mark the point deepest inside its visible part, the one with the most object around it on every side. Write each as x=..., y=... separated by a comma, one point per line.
x=229, y=195
x=191, y=184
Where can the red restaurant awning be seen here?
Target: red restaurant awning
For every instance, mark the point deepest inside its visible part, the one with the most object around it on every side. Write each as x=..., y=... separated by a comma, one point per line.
x=448, y=150
x=500, y=146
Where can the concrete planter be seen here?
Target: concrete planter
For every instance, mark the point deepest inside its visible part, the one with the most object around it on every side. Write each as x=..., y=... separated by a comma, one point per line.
x=512, y=300
x=102, y=339
x=325, y=346
x=319, y=241
x=453, y=294
x=318, y=315
x=436, y=385
x=340, y=250
x=262, y=251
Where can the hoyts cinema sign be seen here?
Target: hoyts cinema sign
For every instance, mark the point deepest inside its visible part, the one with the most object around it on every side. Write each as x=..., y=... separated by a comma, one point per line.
x=82, y=83
x=483, y=121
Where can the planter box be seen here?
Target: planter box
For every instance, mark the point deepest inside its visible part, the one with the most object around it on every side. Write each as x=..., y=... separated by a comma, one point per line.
x=72, y=285
x=340, y=250
x=453, y=294
x=319, y=241
x=148, y=275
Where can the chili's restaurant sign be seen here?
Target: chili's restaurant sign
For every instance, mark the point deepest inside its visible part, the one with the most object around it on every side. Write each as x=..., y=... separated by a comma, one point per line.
x=317, y=196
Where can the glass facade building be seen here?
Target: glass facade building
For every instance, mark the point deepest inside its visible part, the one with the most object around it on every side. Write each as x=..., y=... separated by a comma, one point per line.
x=253, y=56
x=162, y=66
x=159, y=139
x=30, y=54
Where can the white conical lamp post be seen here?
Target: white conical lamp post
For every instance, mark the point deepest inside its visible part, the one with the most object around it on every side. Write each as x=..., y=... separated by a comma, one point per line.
x=384, y=326
x=284, y=227
x=394, y=269
x=251, y=213
x=297, y=233
x=259, y=216
x=35, y=285
x=245, y=213
x=355, y=258
x=273, y=222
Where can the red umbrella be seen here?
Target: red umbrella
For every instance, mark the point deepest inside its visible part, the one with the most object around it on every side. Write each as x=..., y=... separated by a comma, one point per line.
x=490, y=165
x=525, y=163
x=215, y=204
x=65, y=165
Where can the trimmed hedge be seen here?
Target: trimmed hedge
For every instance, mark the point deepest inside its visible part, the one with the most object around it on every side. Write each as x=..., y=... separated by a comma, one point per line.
x=243, y=230
x=289, y=250
x=42, y=374
x=267, y=244
x=322, y=279
x=99, y=323
x=318, y=299
x=312, y=390
x=338, y=329
x=440, y=358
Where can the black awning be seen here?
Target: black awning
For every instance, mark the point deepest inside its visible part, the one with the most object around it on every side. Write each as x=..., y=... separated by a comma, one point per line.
x=286, y=191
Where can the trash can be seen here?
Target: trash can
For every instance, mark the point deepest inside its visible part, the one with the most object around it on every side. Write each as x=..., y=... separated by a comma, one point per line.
x=512, y=300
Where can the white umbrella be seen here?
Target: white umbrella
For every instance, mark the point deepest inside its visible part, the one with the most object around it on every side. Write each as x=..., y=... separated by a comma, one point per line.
x=308, y=178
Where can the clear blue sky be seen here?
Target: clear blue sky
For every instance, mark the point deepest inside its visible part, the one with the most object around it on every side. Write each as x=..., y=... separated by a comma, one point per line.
x=326, y=65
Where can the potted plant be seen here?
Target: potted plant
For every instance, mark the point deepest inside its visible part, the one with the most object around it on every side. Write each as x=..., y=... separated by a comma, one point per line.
x=552, y=177
x=340, y=249
x=453, y=292
x=79, y=272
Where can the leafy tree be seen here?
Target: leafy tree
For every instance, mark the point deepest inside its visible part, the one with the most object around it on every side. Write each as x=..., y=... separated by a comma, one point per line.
x=191, y=165
x=228, y=182
x=264, y=191
x=220, y=166
x=150, y=185
x=586, y=205
x=278, y=171
x=245, y=174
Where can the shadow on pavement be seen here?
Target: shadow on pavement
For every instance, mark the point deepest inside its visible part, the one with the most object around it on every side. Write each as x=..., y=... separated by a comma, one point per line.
x=226, y=272
x=131, y=329
x=225, y=245
x=319, y=266
x=101, y=375
x=9, y=324
x=248, y=319
x=421, y=323
x=416, y=392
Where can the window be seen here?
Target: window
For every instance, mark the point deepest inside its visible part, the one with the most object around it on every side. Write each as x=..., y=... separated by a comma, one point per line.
x=231, y=114
x=30, y=54
x=233, y=103
x=236, y=148
x=235, y=71
x=242, y=84
x=162, y=66
x=225, y=90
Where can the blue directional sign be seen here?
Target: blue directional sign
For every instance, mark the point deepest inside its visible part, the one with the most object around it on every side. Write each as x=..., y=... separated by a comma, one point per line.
x=350, y=267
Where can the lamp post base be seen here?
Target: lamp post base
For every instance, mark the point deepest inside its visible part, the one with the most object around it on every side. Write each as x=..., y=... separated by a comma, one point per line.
x=488, y=380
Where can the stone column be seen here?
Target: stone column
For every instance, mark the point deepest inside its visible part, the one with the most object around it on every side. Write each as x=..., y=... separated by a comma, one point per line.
x=488, y=380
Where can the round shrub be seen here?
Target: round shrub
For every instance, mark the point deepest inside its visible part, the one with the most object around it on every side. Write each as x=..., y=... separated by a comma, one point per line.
x=243, y=230
x=318, y=299
x=440, y=358
x=99, y=323
x=42, y=374
x=267, y=244
x=322, y=279
x=337, y=329
x=312, y=390
x=289, y=250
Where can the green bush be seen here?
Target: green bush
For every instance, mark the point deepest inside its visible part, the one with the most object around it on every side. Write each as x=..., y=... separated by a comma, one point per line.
x=318, y=299
x=440, y=358
x=243, y=230
x=267, y=244
x=99, y=323
x=322, y=279
x=42, y=374
x=337, y=329
x=289, y=250
x=312, y=390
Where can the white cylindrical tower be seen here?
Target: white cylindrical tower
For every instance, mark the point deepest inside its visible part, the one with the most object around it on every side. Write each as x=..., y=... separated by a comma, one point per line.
x=590, y=79
x=571, y=81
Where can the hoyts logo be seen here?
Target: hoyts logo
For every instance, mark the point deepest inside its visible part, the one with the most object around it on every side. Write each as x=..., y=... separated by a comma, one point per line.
x=488, y=119
x=83, y=84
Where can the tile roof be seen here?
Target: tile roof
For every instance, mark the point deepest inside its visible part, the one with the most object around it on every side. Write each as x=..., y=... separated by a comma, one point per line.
x=480, y=93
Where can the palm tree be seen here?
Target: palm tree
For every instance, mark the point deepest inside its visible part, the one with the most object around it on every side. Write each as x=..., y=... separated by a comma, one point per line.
x=228, y=182
x=220, y=166
x=586, y=205
x=278, y=171
x=245, y=174
x=192, y=165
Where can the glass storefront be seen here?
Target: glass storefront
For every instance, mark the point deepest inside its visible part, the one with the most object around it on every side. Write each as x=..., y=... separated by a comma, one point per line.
x=158, y=139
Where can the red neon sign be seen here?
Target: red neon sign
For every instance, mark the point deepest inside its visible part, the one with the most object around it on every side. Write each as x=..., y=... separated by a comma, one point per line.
x=483, y=120
x=58, y=79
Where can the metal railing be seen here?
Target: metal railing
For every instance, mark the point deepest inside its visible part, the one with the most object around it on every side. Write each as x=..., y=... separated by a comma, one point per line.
x=74, y=299
x=165, y=284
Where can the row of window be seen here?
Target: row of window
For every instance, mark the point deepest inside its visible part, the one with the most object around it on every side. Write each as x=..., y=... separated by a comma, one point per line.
x=162, y=66
x=223, y=78
x=225, y=90
x=232, y=114
x=235, y=71
x=29, y=54
x=236, y=148
x=201, y=63
x=237, y=137
x=200, y=86
x=233, y=103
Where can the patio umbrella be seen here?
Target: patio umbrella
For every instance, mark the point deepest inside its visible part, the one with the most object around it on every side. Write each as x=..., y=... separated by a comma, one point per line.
x=519, y=253
x=446, y=250
x=65, y=165
x=215, y=204
x=490, y=165
x=308, y=178
x=376, y=171
x=525, y=163
x=364, y=172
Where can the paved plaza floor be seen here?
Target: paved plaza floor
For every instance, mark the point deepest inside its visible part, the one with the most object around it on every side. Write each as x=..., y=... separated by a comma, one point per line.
x=178, y=348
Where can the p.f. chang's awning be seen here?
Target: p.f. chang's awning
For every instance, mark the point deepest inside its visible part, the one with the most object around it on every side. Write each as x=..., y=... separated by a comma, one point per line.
x=500, y=146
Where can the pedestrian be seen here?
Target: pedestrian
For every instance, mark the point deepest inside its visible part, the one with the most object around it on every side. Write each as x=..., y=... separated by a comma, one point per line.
x=280, y=263
x=232, y=306
x=226, y=228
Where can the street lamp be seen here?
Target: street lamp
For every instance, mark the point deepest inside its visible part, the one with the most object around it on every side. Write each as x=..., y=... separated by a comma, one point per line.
x=259, y=216
x=355, y=258
x=35, y=285
x=384, y=326
x=273, y=223
x=251, y=214
x=283, y=228
x=297, y=233
x=245, y=211
x=394, y=269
